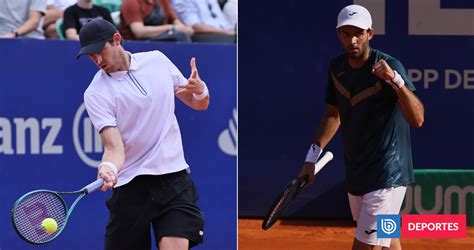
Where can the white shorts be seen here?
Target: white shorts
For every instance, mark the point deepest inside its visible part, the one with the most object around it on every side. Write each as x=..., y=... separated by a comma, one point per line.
x=364, y=209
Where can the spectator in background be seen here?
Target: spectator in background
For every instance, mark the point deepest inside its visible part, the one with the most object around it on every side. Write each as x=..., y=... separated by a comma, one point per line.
x=21, y=18
x=77, y=15
x=54, y=11
x=207, y=20
x=230, y=11
x=152, y=20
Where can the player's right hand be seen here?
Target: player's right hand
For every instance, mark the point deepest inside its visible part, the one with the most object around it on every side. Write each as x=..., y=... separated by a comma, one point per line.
x=307, y=172
x=109, y=177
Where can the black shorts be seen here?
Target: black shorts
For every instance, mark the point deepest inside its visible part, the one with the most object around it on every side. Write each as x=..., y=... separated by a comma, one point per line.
x=164, y=202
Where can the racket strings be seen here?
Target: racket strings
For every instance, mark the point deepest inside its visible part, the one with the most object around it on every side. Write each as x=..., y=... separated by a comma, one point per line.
x=30, y=211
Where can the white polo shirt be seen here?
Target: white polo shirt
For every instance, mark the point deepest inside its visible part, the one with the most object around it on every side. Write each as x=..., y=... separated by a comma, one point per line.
x=140, y=103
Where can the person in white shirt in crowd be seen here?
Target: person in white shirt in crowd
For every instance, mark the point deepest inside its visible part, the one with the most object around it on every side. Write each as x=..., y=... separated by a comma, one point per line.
x=54, y=11
x=22, y=18
x=230, y=11
x=207, y=20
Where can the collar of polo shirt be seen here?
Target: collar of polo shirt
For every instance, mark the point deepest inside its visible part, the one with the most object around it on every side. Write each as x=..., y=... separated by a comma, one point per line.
x=120, y=75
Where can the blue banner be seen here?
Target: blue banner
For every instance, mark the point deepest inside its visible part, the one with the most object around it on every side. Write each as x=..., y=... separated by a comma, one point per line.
x=47, y=140
x=282, y=80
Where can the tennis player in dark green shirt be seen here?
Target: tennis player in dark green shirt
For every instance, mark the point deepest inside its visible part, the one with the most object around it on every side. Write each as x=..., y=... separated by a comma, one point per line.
x=370, y=97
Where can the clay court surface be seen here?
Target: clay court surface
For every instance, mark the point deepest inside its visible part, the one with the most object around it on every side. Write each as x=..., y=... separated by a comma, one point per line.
x=324, y=234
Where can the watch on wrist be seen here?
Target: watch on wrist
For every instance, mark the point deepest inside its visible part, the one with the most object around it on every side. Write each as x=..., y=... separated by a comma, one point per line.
x=172, y=30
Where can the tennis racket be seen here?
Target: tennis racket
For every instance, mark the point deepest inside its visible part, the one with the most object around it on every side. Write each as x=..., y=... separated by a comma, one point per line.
x=32, y=208
x=290, y=191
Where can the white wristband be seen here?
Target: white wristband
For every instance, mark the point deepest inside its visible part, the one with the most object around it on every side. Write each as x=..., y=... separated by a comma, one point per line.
x=397, y=80
x=110, y=165
x=204, y=94
x=313, y=153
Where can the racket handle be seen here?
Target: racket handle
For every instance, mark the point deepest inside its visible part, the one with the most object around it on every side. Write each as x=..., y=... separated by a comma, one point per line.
x=327, y=157
x=93, y=186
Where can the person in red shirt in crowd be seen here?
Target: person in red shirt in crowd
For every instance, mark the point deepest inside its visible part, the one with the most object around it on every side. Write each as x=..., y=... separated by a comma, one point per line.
x=152, y=20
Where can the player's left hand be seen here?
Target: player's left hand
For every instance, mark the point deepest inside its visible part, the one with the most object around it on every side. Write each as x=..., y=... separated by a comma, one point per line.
x=195, y=84
x=382, y=70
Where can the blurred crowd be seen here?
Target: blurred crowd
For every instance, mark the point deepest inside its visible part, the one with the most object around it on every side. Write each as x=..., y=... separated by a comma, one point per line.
x=211, y=21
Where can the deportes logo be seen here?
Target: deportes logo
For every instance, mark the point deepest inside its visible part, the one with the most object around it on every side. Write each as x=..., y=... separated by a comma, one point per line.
x=434, y=225
x=227, y=140
x=86, y=139
x=388, y=226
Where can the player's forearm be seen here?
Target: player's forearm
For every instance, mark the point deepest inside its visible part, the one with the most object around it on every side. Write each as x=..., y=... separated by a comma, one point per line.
x=115, y=156
x=411, y=106
x=328, y=126
x=114, y=151
x=200, y=104
x=189, y=100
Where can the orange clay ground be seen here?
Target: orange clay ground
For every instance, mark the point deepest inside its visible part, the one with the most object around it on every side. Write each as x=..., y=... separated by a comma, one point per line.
x=325, y=234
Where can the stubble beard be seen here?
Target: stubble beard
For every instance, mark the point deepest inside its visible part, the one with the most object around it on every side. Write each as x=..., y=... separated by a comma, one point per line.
x=358, y=55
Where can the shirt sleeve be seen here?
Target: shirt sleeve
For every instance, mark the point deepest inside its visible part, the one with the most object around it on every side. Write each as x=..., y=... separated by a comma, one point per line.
x=176, y=75
x=395, y=64
x=187, y=12
x=100, y=110
x=38, y=5
x=130, y=11
x=68, y=19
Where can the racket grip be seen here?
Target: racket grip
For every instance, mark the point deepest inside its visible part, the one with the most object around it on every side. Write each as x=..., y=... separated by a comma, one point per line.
x=93, y=186
x=327, y=157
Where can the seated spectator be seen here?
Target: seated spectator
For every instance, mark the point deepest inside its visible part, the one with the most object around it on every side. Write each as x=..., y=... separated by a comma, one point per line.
x=21, y=18
x=230, y=11
x=78, y=14
x=207, y=20
x=54, y=11
x=152, y=20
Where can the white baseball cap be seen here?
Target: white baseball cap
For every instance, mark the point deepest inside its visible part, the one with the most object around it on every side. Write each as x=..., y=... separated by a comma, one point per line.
x=354, y=15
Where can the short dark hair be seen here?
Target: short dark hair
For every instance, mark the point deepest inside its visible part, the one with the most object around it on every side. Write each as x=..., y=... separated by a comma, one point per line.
x=111, y=41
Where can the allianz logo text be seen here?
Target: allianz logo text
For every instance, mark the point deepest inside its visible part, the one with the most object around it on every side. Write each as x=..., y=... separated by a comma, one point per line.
x=88, y=146
x=42, y=136
x=21, y=136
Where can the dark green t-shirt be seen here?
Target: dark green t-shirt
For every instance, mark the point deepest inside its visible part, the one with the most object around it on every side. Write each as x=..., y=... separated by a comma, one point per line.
x=377, y=147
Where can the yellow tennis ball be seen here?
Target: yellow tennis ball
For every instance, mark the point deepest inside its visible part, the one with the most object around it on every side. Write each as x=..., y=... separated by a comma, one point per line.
x=49, y=225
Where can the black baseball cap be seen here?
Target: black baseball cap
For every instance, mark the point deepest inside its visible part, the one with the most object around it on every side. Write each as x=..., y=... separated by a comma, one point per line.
x=93, y=36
